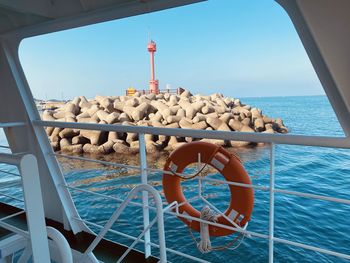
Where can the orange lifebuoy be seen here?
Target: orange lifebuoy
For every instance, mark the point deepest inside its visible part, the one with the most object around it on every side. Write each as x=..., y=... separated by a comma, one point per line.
x=229, y=165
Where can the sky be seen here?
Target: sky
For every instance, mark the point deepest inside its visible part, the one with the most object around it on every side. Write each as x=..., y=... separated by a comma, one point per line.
x=240, y=48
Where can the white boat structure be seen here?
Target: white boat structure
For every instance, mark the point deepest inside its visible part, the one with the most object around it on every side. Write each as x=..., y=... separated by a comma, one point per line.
x=324, y=29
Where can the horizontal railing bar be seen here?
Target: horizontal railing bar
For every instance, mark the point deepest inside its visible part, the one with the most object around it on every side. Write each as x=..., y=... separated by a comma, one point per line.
x=21, y=153
x=10, y=158
x=314, y=196
x=264, y=188
x=14, y=229
x=11, y=124
x=280, y=240
x=10, y=173
x=135, y=167
x=185, y=216
x=155, y=170
x=232, y=228
x=313, y=248
x=5, y=147
x=306, y=140
x=12, y=215
x=12, y=197
x=127, y=166
x=173, y=213
x=107, y=196
x=182, y=254
x=240, y=230
x=97, y=194
x=142, y=241
x=116, y=198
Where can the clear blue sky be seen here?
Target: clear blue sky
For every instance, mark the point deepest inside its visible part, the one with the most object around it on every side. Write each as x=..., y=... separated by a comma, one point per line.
x=241, y=48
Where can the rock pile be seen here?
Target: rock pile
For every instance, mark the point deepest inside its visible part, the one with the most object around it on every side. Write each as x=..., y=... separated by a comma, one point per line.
x=186, y=111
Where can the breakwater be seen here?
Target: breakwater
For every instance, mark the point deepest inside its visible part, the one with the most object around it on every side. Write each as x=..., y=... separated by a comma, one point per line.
x=187, y=111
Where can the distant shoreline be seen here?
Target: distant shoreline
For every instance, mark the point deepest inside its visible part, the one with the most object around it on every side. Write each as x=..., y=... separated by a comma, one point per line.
x=38, y=101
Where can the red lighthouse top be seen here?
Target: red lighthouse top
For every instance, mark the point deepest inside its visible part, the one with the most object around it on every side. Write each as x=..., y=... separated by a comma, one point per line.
x=152, y=46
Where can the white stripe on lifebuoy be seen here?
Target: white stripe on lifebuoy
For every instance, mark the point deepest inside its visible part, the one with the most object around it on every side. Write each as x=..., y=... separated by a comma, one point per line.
x=217, y=164
x=240, y=218
x=173, y=167
x=232, y=215
x=220, y=155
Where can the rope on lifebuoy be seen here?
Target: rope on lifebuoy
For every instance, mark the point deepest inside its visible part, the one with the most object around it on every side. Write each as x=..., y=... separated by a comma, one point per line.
x=230, y=166
x=195, y=174
x=202, y=168
x=204, y=245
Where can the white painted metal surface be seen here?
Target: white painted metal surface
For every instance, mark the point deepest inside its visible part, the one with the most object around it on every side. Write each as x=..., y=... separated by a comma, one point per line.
x=145, y=211
x=66, y=14
x=11, y=124
x=272, y=202
x=273, y=139
x=35, y=239
x=321, y=141
x=57, y=201
x=159, y=218
x=324, y=29
x=35, y=211
x=10, y=159
x=62, y=245
x=11, y=245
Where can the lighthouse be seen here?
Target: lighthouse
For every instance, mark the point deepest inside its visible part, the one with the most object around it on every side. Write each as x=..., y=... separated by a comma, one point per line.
x=153, y=83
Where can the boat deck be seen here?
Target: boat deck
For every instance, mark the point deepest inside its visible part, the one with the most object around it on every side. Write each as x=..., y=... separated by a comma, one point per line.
x=106, y=251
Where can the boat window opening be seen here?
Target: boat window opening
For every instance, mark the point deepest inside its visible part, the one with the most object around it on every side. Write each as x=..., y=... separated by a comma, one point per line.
x=266, y=80
x=82, y=75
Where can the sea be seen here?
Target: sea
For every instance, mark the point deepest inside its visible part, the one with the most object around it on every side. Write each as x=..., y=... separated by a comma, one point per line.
x=314, y=170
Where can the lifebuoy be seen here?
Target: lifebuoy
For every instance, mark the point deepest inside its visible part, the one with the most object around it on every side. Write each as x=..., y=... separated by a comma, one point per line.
x=229, y=165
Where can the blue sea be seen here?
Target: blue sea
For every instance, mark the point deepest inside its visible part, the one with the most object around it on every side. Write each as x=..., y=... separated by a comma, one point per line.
x=314, y=170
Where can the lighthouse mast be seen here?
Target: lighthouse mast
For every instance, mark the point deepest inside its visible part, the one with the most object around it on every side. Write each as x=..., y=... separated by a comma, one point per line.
x=153, y=83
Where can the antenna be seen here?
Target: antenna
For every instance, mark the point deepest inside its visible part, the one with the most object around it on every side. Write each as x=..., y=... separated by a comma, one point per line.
x=149, y=33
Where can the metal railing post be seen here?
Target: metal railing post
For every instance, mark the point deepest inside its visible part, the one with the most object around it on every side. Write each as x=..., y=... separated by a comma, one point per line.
x=272, y=202
x=34, y=208
x=145, y=210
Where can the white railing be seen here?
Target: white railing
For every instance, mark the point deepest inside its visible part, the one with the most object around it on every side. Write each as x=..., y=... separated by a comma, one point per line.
x=5, y=147
x=321, y=141
x=145, y=189
x=11, y=124
x=36, y=233
x=271, y=139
